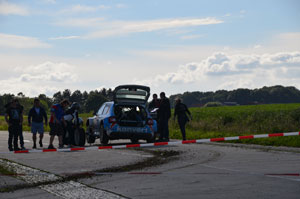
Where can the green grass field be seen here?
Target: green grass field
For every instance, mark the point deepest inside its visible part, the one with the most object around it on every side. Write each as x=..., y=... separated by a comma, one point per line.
x=212, y=122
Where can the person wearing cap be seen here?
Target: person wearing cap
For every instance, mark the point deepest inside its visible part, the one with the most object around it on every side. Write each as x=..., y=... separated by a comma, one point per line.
x=56, y=122
x=36, y=116
x=181, y=112
x=14, y=119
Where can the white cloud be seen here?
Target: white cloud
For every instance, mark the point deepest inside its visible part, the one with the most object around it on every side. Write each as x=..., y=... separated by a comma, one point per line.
x=16, y=41
x=234, y=71
x=105, y=28
x=7, y=8
x=121, y=28
x=65, y=37
x=48, y=71
x=81, y=22
x=47, y=78
x=83, y=9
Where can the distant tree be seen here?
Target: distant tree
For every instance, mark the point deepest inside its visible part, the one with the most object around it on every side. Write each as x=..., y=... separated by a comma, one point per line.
x=20, y=94
x=94, y=101
x=66, y=94
x=46, y=99
x=57, y=97
x=212, y=104
x=265, y=95
x=104, y=92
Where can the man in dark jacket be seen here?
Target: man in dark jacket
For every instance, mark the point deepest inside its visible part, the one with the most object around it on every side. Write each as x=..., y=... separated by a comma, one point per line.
x=164, y=114
x=180, y=111
x=36, y=116
x=154, y=103
x=14, y=119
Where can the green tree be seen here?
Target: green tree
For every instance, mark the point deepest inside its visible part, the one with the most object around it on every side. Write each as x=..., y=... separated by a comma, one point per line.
x=94, y=101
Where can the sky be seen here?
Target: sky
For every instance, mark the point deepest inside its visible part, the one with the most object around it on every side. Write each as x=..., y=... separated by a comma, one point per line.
x=173, y=46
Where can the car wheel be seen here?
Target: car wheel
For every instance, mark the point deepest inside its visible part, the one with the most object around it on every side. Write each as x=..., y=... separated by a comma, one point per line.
x=103, y=136
x=89, y=137
x=79, y=137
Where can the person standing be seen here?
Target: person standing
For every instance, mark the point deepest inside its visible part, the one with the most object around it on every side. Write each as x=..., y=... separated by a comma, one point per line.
x=164, y=114
x=56, y=122
x=182, y=118
x=154, y=103
x=14, y=119
x=36, y=116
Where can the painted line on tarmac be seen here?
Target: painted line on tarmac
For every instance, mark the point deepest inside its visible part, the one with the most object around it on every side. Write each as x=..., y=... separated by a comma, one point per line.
x=159, y=143
x=284, y=177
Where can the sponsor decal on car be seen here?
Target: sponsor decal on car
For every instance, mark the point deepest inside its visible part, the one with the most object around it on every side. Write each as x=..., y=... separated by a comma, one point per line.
x=132, y=130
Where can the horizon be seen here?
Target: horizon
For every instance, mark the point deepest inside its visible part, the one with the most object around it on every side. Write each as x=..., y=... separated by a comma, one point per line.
x=170, y=46
x=151, y=93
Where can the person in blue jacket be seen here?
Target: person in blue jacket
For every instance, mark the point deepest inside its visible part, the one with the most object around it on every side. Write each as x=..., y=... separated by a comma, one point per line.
x=36, y=118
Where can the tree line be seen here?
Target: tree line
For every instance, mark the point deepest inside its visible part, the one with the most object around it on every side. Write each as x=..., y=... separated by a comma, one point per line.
x=266, y=95
x=89, y=101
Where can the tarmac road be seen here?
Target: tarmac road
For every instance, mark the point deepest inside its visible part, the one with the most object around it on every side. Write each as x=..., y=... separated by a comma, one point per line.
x=201, y=171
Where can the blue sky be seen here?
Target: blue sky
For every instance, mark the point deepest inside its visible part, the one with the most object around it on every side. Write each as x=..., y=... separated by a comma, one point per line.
x=172, y=46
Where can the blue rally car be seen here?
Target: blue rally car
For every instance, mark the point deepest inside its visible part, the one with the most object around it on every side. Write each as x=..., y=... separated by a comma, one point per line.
x=126, y=117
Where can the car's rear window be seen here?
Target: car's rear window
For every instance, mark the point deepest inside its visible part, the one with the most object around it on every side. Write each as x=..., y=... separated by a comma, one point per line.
x=137, y=94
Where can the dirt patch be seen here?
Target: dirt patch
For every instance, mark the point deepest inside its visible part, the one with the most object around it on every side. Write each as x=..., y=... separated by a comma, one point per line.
x=159, y=157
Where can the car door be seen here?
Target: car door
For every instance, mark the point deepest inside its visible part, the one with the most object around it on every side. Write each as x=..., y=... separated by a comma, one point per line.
x=97, y=118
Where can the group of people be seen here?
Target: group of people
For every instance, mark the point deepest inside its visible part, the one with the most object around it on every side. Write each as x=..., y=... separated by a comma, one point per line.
x=164, y=114
x=37, y=117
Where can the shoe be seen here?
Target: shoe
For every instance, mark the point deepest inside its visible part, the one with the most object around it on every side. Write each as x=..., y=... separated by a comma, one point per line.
x=23, y=148
x=41, y=144
x=10, y=149
x=17, y=149
x=61, y=146
x=51, y=146
x=34, y=146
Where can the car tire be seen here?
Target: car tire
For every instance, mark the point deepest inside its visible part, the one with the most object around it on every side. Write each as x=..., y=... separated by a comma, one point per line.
x=103, y=136
x=89, y=137
x=79, y=137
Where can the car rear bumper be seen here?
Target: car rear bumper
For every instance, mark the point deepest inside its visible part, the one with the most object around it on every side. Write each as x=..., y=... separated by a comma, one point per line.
x=129, y=135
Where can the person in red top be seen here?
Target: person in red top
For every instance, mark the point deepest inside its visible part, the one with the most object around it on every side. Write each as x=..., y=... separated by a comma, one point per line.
x=56, y=122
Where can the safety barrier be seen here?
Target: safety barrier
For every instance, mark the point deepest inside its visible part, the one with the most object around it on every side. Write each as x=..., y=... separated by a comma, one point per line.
x=159, y=143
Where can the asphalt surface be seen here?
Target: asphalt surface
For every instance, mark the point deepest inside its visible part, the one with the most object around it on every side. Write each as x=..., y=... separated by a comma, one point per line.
x=200, y=171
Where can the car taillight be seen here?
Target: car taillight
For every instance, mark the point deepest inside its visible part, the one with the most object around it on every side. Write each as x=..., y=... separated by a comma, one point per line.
x=112, y=120
x=150, y=122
